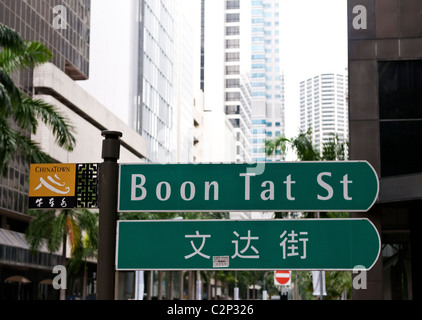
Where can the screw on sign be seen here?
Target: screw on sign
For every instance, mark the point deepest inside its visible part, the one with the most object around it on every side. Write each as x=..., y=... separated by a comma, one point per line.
x=282, y=277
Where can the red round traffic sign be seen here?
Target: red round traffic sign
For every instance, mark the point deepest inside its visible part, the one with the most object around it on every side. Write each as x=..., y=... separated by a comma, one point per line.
x=282, y=277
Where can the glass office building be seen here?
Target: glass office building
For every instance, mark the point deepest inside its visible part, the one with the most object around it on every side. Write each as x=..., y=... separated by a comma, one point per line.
x=154, y=101
x=267, y=80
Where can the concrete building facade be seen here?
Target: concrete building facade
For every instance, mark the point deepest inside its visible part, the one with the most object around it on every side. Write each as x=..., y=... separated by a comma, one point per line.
x=385, y=116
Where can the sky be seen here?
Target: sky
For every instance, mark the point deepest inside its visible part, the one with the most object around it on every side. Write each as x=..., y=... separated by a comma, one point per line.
x=313, y=40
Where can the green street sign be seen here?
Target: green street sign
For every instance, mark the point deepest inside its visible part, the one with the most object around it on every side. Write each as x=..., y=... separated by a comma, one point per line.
x=277, y=186
x=309, y=244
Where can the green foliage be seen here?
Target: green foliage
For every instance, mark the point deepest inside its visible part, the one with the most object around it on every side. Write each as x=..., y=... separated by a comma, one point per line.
x=88, y=247
x=304, y=148
x=276, y=146
x=15, y=107
x=52, y=226
x=334, y=149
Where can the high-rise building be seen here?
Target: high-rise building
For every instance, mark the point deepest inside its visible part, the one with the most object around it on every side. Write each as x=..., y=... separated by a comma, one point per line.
x=323, y=107
x=154, y=97
x=267, y=80
x=224, y=81
x=187, y=115
x=219, y=139
x=64, y=27
x=151, y=85
x=237, y=103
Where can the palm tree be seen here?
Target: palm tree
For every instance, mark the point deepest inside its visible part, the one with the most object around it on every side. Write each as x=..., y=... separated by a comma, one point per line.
x=88, y=223
x=276, y=146
x=57, y=228
x=335, y=149
x=304, y=148
x=19, y=114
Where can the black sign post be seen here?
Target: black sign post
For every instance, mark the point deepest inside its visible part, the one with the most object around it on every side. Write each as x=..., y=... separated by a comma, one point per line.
x=108, y=185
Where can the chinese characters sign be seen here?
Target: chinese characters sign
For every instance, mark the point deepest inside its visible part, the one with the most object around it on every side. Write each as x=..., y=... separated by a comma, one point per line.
x=282, y=186
x=63, y=186
x=329, y=244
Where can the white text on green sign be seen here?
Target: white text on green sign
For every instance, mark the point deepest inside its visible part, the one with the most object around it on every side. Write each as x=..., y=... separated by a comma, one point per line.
x=284, y=186
x=337, y=244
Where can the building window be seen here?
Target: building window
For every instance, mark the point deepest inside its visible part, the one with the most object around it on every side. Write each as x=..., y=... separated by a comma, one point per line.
x=233, y=4
x=232, y=96
x=400, y=113
x=232, y=17
x=232, y=83
x=232, y=31
x=232, y=70
x=232, y=44
x=232, y=109
x=232, y=56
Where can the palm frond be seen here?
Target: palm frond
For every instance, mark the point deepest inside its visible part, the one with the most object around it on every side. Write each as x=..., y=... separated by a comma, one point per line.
x=8, y=145
x=74, y=233
x=39, y=228
x=57, y=232
x=269, y=147
x=59, y=124
x=304, y=148
x=25, y=117
x=10, y=39
x=30, y=149
x=33, y=54
x=88, y=221
x=8, y=91
x=5, y=103
x=16, y=54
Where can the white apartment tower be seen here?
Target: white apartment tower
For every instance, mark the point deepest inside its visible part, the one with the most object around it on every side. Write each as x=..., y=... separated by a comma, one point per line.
x=267, y=80
x=323, y=107
x=237, y=101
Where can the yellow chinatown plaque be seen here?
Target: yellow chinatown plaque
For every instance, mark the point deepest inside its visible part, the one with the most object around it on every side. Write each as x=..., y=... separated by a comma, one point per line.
x=63, y=185
x=52, y=180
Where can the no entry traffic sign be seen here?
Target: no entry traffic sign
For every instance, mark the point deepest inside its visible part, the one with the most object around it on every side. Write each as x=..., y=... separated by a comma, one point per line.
x=282, y=277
